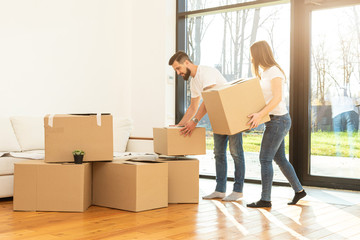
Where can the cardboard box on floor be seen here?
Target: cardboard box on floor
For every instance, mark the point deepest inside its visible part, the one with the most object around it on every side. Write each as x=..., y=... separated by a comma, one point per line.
x=183, y=179
x=66, y=133
x=40, y=186
x=168, y=141
x=228, y=106
x=129, y=185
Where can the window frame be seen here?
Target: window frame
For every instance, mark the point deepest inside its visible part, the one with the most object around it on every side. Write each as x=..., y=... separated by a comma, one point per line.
x=300, y=93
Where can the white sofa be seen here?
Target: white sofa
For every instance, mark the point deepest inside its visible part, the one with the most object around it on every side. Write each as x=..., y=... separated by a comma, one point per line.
x=22, y=138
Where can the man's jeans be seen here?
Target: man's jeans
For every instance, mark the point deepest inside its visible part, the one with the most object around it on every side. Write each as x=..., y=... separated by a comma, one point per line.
x=237, y=153
x=349, y=122
x=273, y=147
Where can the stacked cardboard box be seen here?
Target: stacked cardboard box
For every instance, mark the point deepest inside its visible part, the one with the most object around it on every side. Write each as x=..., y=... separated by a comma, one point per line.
x=57, y=184
x=91, y=133
x=39, y=186
x=183, y=171
x=169, y=141
x=183, y=179
x=130, y=185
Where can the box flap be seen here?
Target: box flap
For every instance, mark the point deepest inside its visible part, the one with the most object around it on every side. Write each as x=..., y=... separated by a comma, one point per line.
x=175, y=158
x=229, y=84
x=140, y=162
x=144, y=158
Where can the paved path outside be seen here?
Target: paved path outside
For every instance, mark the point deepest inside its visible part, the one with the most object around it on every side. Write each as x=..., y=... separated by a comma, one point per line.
x=343, y=167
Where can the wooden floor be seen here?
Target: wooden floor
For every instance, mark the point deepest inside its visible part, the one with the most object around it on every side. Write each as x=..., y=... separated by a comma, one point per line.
x=323, y=214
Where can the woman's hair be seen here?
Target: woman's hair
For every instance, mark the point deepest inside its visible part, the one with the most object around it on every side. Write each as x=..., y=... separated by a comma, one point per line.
x=262, y=56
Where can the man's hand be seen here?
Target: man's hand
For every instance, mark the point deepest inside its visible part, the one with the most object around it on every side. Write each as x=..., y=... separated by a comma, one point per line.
x=255, y=119
x=188, y=128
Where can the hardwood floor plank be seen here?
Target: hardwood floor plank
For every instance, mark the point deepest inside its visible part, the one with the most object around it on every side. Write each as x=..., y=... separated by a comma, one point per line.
x=313, y=218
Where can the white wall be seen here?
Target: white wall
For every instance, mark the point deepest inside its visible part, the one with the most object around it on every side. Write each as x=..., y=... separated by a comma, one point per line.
x=63, y=56
x=152, y=78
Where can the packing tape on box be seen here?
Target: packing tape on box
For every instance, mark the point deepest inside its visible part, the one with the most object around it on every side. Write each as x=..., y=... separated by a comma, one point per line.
x=51, y=120
x=98, y=119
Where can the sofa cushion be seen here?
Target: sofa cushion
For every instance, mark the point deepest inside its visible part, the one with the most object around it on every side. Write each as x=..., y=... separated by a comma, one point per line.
x=29, y=131
x=121, y=129
x=6, y=186
x=8, y=141
x=33, y=154
x=7, y=165
x=140, y=146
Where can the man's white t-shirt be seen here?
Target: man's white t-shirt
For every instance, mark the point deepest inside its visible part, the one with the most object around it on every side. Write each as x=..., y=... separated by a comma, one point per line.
x=265, y=83
x=205, y=76
x=341, y=104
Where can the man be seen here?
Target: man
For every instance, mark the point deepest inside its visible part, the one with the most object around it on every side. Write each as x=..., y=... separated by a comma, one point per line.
x=345, y=118
x=204, y=78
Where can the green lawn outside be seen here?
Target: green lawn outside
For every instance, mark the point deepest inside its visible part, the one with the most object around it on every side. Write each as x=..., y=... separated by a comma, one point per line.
x=322, y=143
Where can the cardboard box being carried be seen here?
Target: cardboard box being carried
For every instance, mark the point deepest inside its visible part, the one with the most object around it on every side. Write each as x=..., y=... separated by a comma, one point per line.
x=88, y=132
x=229, y=105
x=39, y=186
x=129, y=185
x=168, y=141
x=183, y=179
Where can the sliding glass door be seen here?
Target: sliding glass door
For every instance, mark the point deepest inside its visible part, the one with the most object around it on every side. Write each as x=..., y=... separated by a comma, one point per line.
x=335, y=92
x=325, y=71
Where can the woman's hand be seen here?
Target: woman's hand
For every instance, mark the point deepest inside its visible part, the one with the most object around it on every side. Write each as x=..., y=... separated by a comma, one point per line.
x=255, y=119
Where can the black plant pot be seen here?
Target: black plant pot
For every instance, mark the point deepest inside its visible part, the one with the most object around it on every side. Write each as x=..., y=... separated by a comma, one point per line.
x=78, y=159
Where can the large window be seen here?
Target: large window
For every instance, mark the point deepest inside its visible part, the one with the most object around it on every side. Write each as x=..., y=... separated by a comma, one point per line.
x=192, y=5
x=335, y=92
x=317, y=44
x=222, y=39
x=324, y=67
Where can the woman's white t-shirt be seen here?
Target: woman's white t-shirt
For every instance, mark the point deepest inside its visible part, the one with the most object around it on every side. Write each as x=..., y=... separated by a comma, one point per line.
x=205, y=76
x=265, y=83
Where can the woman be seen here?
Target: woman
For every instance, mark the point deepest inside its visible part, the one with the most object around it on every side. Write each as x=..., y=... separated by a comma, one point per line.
x=272, y=79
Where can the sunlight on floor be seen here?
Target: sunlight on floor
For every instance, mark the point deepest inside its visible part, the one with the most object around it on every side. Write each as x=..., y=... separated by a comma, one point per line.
x=223, y=209
x=274, y=220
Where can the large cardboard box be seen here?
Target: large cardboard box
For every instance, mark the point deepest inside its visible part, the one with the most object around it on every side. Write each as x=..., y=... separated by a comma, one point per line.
x=40, y=186
x=183, y=179
x=230, y=105
x=129, y=185
x=90, y=133
x=168, y=141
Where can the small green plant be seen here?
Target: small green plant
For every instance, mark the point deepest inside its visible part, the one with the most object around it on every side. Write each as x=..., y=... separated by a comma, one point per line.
x=78, y=152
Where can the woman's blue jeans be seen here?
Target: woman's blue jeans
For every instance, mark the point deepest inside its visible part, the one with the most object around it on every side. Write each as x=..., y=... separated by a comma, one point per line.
x=237, y=153
x=273, y=147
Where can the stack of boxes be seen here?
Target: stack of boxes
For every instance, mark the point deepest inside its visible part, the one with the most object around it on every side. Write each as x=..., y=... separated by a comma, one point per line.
x=228, y=108
x=130, y=185
x=183, y=171
x=57, y=184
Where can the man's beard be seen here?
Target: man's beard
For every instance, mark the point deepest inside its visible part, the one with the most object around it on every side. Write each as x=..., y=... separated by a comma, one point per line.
x=187, y=74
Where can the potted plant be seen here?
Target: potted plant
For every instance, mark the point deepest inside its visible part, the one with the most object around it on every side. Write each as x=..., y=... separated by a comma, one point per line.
x=78, y=156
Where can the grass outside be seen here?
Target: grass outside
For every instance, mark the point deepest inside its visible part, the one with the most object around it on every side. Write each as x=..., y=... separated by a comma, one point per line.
x=322, y=143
